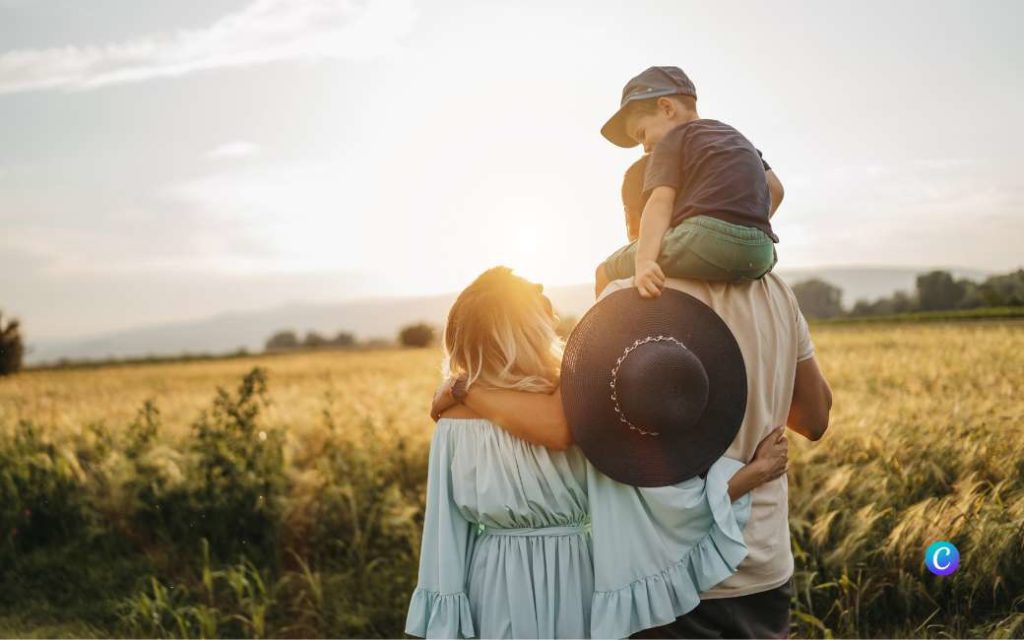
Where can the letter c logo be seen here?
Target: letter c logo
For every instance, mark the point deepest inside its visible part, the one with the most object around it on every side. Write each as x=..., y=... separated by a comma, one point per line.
x=942, y=558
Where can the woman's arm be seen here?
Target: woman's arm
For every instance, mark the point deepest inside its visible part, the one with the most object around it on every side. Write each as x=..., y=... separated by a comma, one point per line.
x=745, y=480
x=534, y=417
x=771, y=460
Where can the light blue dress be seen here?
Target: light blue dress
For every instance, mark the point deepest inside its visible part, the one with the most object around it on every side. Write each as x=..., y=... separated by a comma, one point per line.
x=509, y=549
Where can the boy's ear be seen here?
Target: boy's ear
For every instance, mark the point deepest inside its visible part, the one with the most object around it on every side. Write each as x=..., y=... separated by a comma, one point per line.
x=667, y=106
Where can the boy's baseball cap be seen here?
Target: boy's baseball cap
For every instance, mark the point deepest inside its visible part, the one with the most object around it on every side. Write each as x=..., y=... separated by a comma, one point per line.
x=653, y=82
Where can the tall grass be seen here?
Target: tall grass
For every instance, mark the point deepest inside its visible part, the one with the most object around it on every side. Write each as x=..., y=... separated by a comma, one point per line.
x=927, y=444
x=289, y=504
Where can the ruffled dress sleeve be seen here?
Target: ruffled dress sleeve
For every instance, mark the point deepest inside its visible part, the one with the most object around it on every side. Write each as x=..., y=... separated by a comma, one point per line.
x=657, y=548
x=439, y=607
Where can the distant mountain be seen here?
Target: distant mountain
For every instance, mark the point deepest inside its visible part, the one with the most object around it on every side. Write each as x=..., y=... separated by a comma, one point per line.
x=229, y=331
x=384, y=317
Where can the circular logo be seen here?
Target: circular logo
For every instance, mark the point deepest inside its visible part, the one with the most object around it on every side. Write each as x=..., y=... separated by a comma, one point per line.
x=942, y=558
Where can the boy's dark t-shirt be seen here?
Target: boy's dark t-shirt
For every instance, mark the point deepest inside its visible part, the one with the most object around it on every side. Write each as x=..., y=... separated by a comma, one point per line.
x=715, y=171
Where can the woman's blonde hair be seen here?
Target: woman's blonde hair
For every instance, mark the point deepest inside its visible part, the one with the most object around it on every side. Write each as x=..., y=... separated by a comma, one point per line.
x=500, y=333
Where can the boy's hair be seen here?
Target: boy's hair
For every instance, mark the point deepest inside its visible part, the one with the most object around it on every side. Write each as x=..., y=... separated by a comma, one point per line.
x=649, y=105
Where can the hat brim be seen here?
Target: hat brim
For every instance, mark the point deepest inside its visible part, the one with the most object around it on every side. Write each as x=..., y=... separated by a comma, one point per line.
x=599, y=338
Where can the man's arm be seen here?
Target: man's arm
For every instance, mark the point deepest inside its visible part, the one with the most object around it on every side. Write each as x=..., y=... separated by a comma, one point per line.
x=776, y=190
x=534, y=417
x=812, y=401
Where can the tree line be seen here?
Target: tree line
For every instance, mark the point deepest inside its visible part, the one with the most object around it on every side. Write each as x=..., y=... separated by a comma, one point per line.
x=933, y=291
x=419, y=334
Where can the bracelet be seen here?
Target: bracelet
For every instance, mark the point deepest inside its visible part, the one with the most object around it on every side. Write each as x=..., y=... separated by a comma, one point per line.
x=459, y=389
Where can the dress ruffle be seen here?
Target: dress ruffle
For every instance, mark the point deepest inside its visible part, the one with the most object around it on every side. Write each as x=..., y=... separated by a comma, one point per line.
x=439, y=615
x=660, y=598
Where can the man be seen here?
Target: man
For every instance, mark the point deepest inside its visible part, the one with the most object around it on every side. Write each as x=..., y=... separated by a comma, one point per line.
x=784, y=386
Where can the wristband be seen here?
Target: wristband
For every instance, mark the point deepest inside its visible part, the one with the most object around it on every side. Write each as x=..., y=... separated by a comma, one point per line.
x=459, y=389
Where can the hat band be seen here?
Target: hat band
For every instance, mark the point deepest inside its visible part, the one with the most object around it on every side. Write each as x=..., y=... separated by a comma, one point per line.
x=615, y=373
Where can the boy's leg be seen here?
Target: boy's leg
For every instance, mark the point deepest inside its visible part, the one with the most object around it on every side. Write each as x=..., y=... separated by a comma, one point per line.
x=703, y=248
x=622, y=263
x=712, y=249
x=601, y=280
x=677, y=258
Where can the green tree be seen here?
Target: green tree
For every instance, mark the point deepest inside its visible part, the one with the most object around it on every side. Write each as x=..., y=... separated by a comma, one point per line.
x=314, y=340
x=344, y=339
x=417, y=335
x=11, y=347
x=282, y=340
x=1003, y=291
x=818, y=299
x=937, y=291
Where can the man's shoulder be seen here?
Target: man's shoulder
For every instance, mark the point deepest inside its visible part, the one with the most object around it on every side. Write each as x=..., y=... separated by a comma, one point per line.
x=769, y=294
x=769, y=287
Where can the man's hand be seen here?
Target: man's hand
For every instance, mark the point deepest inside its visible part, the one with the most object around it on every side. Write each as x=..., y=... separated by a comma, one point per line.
x=650, y=279
x=443, y=399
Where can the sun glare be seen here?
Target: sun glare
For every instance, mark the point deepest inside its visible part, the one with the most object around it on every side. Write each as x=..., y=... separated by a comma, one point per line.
x=533, y=243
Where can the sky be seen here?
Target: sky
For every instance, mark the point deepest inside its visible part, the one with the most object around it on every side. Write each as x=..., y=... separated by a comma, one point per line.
x=166, y=161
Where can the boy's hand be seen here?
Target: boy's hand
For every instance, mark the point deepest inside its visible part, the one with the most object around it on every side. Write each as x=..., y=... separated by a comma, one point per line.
x=650, y=279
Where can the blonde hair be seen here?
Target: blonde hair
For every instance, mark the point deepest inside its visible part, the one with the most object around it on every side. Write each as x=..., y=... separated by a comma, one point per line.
x=500, y=333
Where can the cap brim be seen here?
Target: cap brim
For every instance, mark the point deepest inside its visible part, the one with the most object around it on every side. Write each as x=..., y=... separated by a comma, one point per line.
x=591, y=352
x=615, y=129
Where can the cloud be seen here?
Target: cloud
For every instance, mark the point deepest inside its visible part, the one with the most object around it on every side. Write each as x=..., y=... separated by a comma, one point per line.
x=237, y=149
x=264, y=31
x=961, y=211
x=294, y=217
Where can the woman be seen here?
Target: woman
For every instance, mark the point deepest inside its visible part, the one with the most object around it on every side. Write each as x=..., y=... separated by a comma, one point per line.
x=506, y=550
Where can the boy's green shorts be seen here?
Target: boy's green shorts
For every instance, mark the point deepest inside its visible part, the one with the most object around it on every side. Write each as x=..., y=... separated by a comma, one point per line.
x=704, y=248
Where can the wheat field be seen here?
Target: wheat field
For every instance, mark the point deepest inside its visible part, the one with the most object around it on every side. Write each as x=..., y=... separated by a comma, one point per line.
x=140, y=501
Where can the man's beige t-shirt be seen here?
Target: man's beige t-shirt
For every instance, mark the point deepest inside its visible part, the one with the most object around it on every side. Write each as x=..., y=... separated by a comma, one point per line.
x=772, y=334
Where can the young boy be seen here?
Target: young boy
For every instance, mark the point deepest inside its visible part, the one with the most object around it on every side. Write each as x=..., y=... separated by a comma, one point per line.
x=705, y=185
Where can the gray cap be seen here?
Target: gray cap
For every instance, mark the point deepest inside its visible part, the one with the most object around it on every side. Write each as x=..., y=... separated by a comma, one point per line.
x=653, y=82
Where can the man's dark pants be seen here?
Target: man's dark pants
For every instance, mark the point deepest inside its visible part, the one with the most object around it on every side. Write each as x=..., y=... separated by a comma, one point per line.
x=758, y=615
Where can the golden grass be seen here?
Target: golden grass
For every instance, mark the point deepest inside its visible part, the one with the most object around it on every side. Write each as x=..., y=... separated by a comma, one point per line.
x=387, y=385
x=926, y=443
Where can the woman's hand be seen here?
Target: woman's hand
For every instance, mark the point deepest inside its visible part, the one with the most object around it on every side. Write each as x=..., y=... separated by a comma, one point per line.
x=443, y=399
x=771, y=460
x=771, y=457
